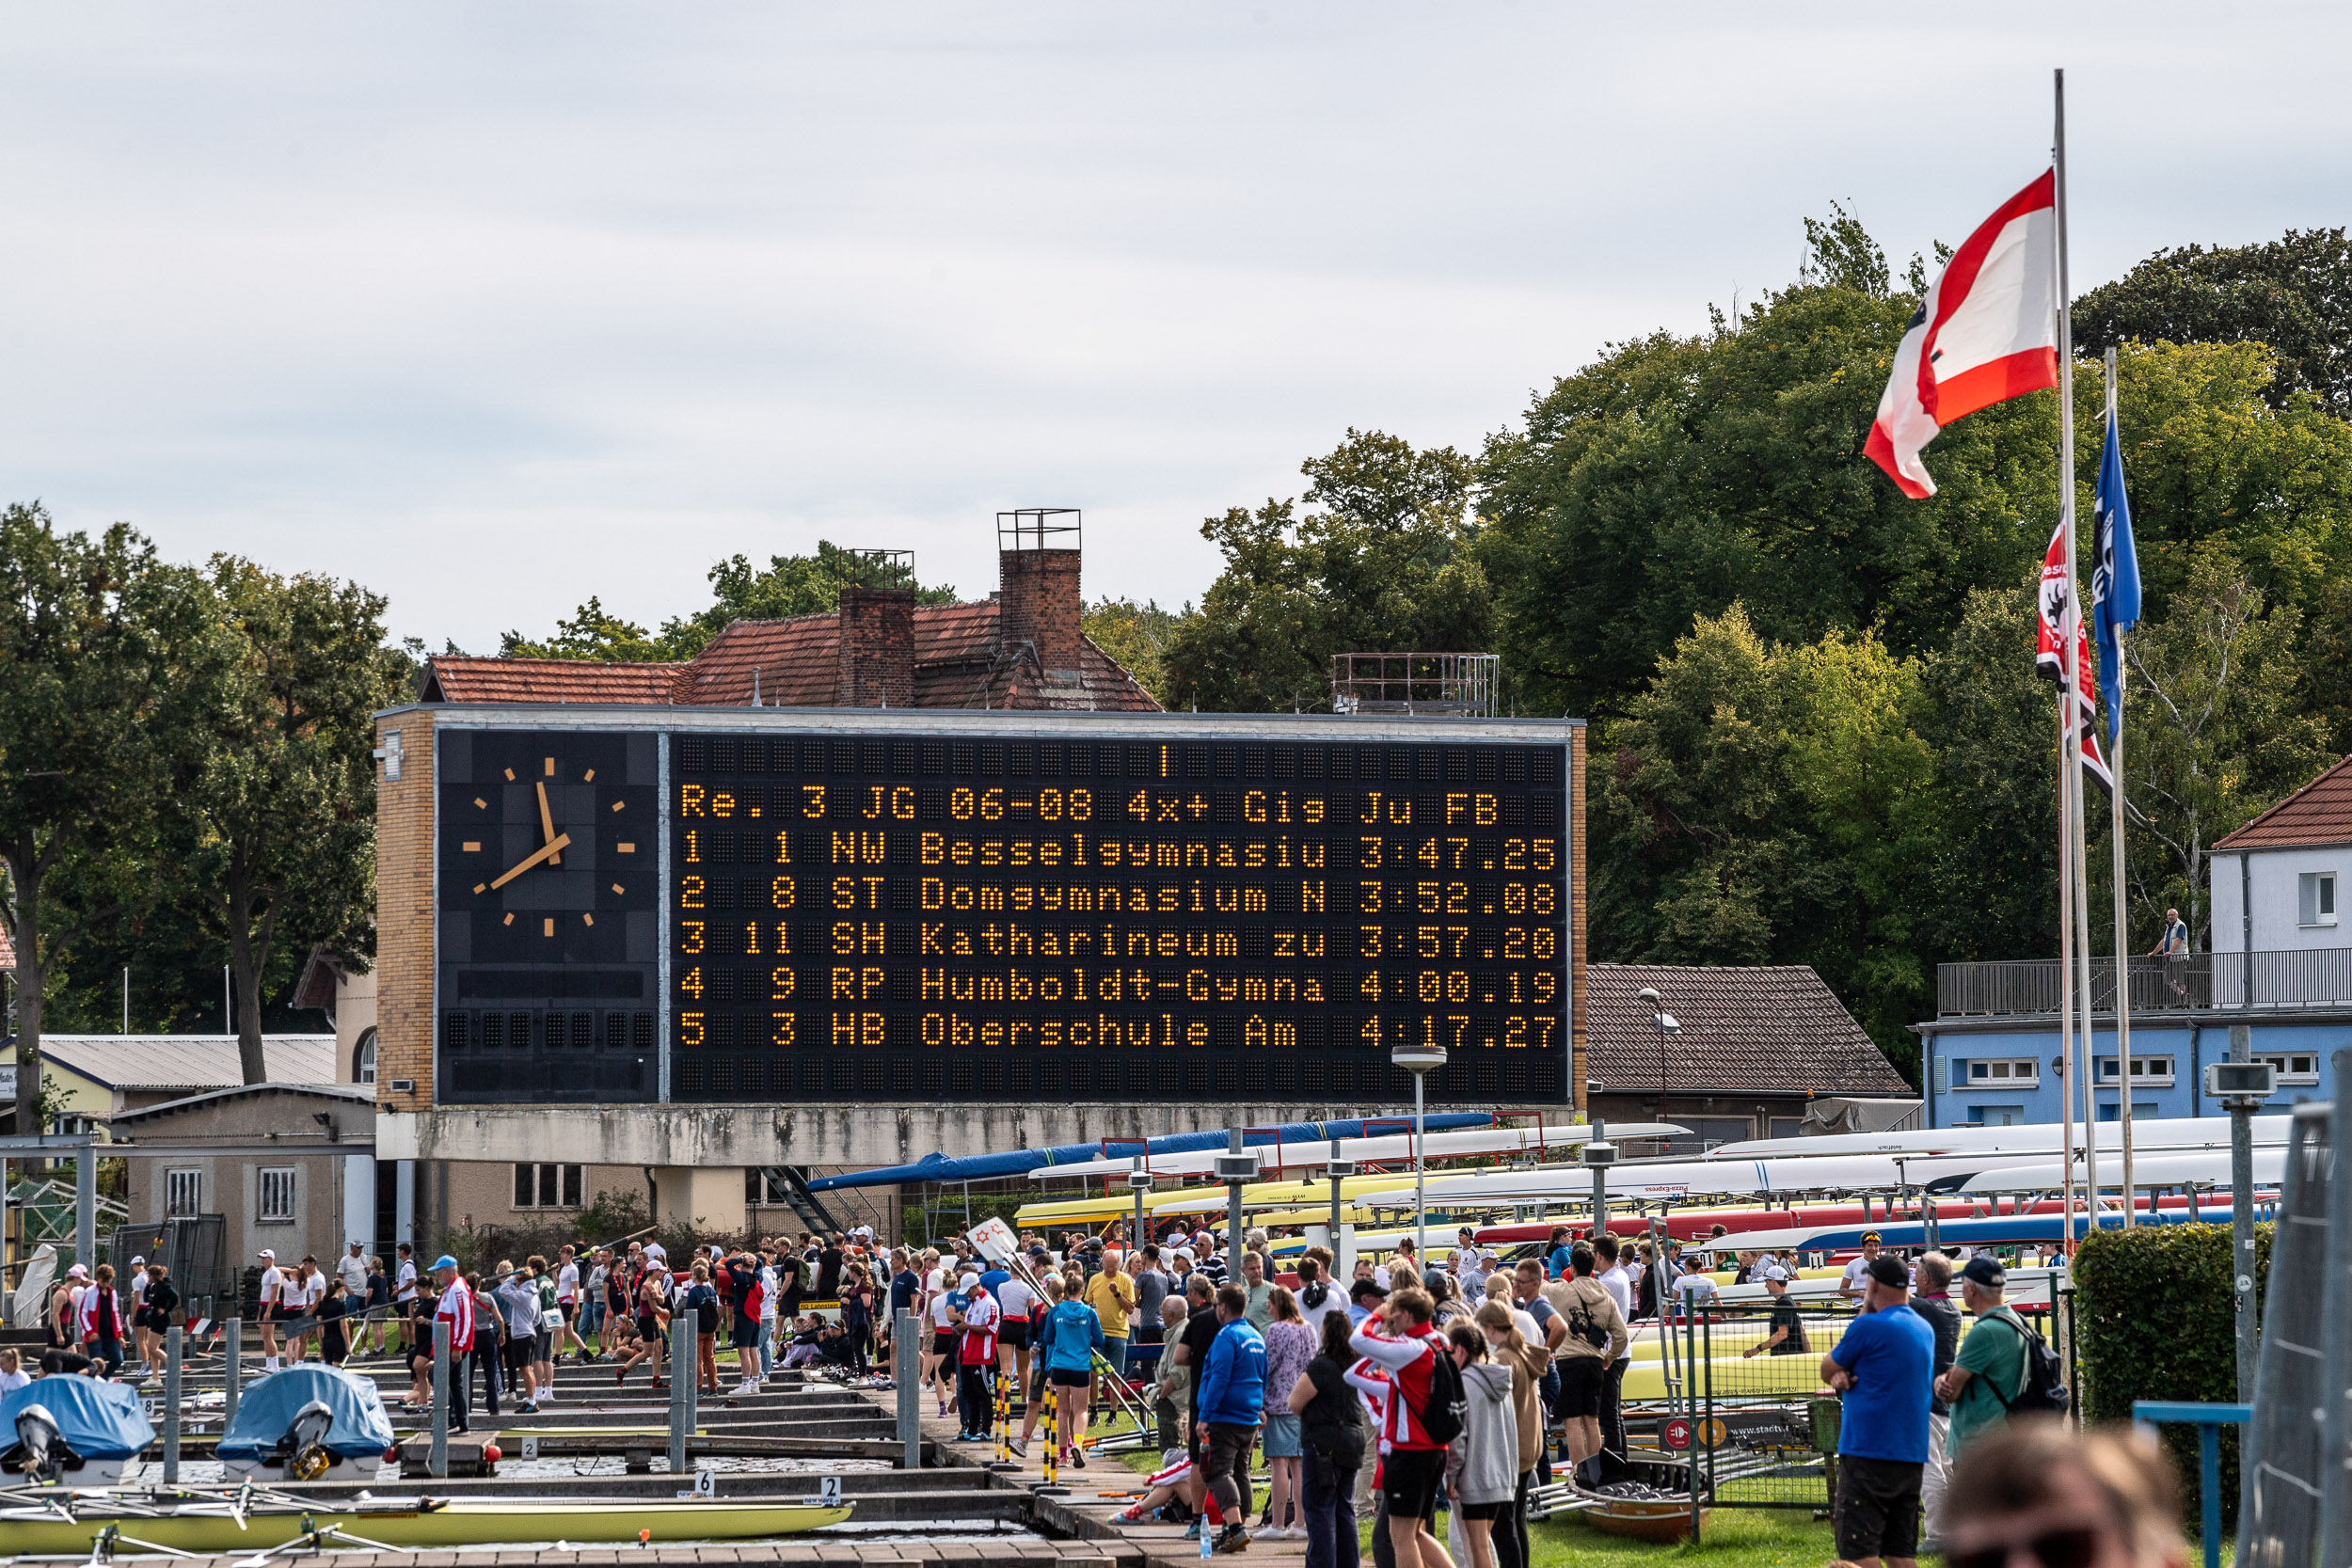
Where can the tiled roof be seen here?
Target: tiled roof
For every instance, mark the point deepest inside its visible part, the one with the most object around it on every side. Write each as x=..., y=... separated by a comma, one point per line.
x=8, y=954
x=189, y=1062
x=795, y=659
x=463, y=678
x=1774, y=1029
x=958, y=662
x=2319, y=813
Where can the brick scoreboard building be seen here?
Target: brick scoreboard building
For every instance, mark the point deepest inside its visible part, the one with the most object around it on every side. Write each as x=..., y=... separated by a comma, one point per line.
x=643, y=984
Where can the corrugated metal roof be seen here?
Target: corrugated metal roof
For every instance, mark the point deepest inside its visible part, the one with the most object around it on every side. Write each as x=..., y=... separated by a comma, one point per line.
x=149, y=1063
x=1776, y=1029
x=357, y=1093
x=2318, y=814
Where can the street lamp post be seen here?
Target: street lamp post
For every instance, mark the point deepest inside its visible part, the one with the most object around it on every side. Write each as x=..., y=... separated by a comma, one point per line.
x=1666, y=1026
x=1419, y=1060
x=1138, y=1182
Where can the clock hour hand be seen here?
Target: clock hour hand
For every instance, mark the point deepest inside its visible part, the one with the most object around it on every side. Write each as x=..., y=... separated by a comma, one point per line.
x=546, y=826
x=547, y=853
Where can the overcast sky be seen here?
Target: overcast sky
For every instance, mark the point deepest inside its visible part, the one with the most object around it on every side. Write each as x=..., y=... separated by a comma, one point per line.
x=496, y=307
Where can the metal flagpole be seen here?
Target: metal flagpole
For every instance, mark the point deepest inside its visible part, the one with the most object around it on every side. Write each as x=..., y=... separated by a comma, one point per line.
x=2115, y=838
x=2070, y=774
x=2074, y=643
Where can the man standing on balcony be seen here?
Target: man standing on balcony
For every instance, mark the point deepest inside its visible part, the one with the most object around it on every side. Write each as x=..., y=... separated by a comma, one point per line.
x=2173, y=947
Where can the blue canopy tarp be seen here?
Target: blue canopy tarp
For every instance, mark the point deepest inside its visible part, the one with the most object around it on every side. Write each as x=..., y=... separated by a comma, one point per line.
x=267, y=1408
x=97, y=1419
x=1020, y=1162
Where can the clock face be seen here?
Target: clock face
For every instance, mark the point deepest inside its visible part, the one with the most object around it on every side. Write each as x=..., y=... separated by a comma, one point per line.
x=547, y=859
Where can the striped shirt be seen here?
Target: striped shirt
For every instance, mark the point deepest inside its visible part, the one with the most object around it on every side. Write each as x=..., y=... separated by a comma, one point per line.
x=456, y=1310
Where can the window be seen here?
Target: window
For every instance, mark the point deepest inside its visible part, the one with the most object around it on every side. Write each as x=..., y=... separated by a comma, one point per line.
x=549, y=1186
x=2024, y=1069
x=2294, y=1066
x=2315, y=898
x=183, y=1192
x=275, y=1193
x=1788, y=1127
x=2147, y=1073
x=765, y=1186
x=1997, y=1116
x=363, y=1059
x=2140, y=1108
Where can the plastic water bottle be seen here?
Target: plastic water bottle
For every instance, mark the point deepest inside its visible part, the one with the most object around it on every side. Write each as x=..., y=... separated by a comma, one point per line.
x=1208, y=1539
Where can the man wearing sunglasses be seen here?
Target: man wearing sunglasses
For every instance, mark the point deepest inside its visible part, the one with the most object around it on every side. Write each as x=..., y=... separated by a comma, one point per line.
x=2033, y=1494
x=1883, y=1365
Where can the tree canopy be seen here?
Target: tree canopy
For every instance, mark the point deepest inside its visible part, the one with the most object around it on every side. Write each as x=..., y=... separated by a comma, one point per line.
x=2294, y=294
x=1817, y=736
x=789, y=585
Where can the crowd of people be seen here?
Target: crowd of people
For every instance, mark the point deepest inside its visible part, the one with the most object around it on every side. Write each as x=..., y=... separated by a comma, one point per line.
x=1389, y=1391
x=1464, y=1381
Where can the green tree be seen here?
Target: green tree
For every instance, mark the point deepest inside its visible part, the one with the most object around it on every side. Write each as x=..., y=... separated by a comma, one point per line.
x=272, y=837
x=1137, y=636
x=1764, y=803
x=89, y=640
x=1677, y=475
x=1987, y=889
x=2293, y=293
x=2212, y=735
x=789, y=585
x=1380, y=562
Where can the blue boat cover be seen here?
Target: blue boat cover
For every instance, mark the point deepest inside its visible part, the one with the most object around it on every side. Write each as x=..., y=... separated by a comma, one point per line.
x=98, y=1420
x=1020, y=1162
x=267, y=1408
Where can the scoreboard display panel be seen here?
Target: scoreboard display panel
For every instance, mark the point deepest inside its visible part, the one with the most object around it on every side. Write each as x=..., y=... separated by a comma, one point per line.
x=877, y=916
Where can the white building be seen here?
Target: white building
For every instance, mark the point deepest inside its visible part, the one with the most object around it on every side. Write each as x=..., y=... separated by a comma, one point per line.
x=2280, y=882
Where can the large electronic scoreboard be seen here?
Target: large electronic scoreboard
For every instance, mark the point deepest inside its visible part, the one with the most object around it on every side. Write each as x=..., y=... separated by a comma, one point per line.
x=727, y=917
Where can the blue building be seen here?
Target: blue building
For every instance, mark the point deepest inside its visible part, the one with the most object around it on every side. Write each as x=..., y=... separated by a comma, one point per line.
x=2276, y=965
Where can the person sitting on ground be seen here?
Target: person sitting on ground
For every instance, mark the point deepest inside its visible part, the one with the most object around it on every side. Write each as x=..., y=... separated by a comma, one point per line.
x=805, y=1349
x=1169, y=1484
x=2035, y=1490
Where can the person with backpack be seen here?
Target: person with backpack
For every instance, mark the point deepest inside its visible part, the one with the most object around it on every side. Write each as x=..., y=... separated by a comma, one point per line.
x=1596, y=1337
x=2003, y=1369
x=701, y=1299
x=1421, y=1415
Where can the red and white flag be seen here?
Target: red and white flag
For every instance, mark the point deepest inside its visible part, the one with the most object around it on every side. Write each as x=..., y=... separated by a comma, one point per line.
x=2060, y=618
x=1987, y=331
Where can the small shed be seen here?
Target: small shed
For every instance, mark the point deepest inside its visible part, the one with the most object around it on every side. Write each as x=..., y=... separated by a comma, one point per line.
x=287, y=1166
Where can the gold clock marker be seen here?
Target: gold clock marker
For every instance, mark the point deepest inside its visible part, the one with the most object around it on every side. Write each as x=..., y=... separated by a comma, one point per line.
x=547, y=926
x=619, y=888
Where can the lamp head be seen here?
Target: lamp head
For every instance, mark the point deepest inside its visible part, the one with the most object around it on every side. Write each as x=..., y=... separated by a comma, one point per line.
x=1649, y=995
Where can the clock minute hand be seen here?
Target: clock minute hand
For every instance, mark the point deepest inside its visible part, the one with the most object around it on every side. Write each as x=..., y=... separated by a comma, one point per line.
x=547, y=853
x=547, y=821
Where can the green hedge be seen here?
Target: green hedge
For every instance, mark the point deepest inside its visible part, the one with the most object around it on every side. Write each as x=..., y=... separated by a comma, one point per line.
x=2155, y=1320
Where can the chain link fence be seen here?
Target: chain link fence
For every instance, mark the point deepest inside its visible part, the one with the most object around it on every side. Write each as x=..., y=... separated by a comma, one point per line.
x=1738, y=1392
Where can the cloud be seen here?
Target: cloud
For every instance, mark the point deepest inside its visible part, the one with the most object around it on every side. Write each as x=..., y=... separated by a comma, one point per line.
x=494, y=309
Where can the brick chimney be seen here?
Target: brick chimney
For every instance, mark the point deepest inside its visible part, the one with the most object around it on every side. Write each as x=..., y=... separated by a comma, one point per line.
x=875, y=665
x=1038, y=602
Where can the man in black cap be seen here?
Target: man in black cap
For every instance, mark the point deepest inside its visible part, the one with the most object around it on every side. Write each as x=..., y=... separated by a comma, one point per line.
x=1883, y=1366
x=1991, y=1366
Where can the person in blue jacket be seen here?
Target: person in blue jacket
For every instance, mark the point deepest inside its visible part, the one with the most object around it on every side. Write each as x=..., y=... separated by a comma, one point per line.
x=1066, y=1346
x=1233, y=1401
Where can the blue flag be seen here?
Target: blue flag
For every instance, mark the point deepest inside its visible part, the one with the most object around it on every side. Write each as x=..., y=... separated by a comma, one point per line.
x=2114, y=577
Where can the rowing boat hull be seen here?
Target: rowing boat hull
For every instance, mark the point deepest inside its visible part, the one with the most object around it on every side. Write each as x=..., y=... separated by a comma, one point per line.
x=462, y=1523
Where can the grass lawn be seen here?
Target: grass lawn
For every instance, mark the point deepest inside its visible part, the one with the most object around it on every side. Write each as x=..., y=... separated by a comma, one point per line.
x=1768, y=1538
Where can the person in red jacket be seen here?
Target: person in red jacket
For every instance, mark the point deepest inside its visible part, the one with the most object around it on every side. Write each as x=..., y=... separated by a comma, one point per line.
x=1412, y=1464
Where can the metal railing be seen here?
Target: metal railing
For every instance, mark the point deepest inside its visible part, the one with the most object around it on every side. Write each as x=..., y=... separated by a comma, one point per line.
x=1452, y=684
x=2289, y=977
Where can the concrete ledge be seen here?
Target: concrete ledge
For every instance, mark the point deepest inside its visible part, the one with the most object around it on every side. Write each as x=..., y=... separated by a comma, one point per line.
x=853, y=1135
